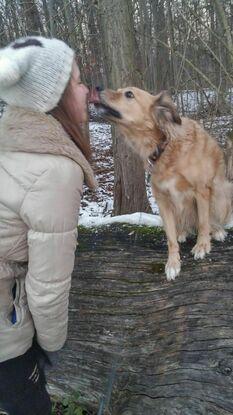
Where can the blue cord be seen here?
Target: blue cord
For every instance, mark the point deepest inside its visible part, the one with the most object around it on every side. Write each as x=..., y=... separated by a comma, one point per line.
x=105, y=400
x=13, y=315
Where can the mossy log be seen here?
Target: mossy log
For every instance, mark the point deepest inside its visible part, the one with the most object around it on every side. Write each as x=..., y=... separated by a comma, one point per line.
x=166, y=348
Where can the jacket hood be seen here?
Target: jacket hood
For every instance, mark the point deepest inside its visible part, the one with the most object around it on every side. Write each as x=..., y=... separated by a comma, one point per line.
x=23, y=130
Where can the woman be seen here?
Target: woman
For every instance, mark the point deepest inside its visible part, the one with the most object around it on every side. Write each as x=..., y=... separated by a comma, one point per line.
x=43, y=162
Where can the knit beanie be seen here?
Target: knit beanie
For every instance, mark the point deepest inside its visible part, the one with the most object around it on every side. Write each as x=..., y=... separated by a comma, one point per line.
x=34, y=72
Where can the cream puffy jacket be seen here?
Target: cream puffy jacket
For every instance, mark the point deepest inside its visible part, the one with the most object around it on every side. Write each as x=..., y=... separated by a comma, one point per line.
x=41, y=178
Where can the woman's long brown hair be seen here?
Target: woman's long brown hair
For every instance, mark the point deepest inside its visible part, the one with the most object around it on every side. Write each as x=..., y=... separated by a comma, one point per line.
x=66, y=113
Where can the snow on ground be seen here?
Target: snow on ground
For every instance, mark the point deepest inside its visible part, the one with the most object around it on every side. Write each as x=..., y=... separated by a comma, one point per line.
x=138, y=218
x=218, y=127
x=195, y=101
x=99, y=204
x=230, y=224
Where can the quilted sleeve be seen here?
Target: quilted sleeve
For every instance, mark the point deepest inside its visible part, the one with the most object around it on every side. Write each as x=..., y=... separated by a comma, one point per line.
x=50, y=209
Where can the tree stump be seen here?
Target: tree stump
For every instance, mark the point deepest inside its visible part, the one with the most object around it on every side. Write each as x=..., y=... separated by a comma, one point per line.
x=155, y=347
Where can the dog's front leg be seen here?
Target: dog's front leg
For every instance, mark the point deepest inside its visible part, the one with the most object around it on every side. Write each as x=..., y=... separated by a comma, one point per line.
x=172, y=268
x=203, y=246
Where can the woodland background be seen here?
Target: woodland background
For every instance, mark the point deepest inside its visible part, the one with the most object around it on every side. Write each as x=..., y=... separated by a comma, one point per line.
x=183, y=46
x=134, y=340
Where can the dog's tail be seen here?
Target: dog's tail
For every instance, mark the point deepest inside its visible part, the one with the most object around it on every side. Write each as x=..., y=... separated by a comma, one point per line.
x=221, y=202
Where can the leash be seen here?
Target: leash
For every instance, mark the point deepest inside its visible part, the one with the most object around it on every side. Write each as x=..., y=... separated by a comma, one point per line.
x=105, y=400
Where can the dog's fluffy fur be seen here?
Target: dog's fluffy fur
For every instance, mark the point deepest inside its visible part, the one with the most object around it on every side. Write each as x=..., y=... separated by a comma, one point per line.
x=188, y=179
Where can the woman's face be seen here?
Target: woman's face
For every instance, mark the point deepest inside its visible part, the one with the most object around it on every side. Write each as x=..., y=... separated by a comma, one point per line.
x=79, y=95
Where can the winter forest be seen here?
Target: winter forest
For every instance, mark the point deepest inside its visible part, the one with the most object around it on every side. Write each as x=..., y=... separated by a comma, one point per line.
x=183, y=46
x=138, y=343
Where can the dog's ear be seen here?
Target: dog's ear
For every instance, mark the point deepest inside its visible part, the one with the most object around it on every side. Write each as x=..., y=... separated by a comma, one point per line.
x=164, y=111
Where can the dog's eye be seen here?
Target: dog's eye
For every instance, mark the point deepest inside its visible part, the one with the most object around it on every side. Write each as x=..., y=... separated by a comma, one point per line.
x=129, y=94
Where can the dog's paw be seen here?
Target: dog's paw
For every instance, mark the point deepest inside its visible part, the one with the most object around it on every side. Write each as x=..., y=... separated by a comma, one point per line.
x=201, y=248
x=172, y=269
x=182, y=237
x=219, y=235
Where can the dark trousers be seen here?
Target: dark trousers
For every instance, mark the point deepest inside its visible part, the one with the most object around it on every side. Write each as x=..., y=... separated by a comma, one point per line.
x=22, y=385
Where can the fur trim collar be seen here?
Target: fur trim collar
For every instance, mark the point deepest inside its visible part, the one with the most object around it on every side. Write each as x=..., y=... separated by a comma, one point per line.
x=23, y=130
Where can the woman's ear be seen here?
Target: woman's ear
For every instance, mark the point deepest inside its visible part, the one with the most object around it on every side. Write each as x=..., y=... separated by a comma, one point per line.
x=164, y=111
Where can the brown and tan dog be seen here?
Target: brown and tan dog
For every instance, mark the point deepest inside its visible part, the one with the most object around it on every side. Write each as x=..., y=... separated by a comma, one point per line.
x=187, y=167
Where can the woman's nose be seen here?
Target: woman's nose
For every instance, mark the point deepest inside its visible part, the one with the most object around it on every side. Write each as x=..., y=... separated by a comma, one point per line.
x=94, y=96
x=86, y=89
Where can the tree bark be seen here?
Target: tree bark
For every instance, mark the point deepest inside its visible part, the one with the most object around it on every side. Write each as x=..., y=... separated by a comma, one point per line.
x=69, y=19
x=94, y=45
x=52, y=21
x=15, y=23
x=226, y=28
x=123, y=68
x=46, y=14
x=229, y=156
x=32, y=17
x=162, y=80
x=4, y=38
x=171, y=34
x=166, y=347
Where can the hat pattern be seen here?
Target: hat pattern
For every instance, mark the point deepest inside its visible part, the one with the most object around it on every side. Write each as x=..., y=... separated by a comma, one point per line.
x=34, y=72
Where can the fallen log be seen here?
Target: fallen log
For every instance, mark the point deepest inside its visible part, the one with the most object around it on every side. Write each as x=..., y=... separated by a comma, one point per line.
x=152, y=347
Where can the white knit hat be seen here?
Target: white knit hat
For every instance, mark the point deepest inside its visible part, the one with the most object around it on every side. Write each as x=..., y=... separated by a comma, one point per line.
x=34, y=72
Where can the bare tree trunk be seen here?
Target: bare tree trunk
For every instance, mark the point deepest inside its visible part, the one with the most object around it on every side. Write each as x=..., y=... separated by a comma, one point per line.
x=94, y=44
x=52, y=21
x=46, y=13
x=32, y=17
x=69, y=18
x=226, y=28
x=229, y=156
x=144, y=23
x=4, y=38
x=172, y=43
x=123, y=68
x=82, y=56
x=162, y=56
x=15, y=24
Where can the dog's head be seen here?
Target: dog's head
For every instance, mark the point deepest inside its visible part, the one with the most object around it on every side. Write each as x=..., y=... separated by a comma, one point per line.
x=135, y=109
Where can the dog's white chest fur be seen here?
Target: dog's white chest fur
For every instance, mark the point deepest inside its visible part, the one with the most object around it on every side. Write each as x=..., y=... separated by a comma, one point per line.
x=170, y=188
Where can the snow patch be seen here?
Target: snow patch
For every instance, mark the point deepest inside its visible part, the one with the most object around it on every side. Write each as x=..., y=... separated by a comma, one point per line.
x=138, y=218
x=230, y=224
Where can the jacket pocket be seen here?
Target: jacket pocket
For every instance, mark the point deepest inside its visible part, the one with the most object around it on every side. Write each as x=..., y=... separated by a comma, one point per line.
x=20, y=306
